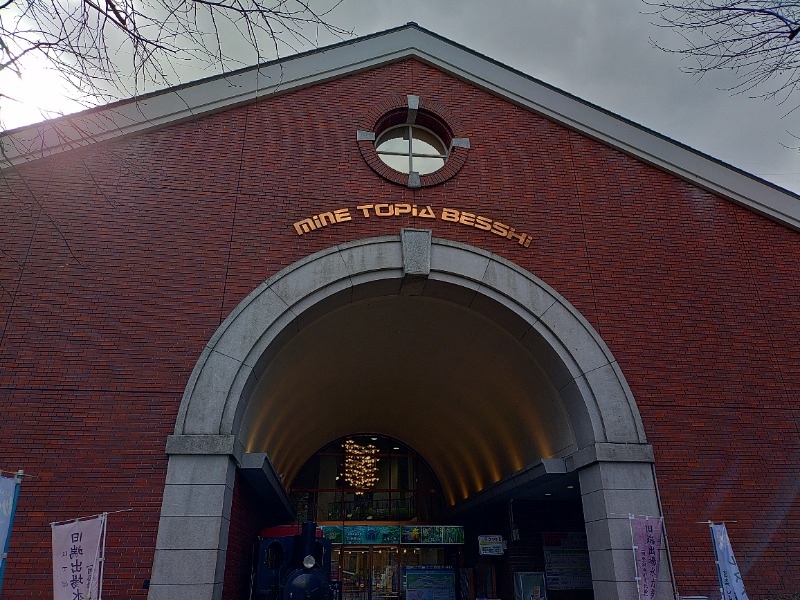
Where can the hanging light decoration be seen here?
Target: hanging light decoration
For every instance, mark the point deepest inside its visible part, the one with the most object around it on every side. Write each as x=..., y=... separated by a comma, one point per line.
x=360, y=465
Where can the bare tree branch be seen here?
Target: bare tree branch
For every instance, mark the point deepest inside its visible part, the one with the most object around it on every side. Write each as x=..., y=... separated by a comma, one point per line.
x=753, y=39
x=115, y=48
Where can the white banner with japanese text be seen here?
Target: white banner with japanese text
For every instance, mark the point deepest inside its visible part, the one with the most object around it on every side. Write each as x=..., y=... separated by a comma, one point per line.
x=646, y=532
x=730, y=579
x=76, y=558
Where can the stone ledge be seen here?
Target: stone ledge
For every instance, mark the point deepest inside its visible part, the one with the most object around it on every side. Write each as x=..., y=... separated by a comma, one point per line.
x=201, y=444
x=609, y=452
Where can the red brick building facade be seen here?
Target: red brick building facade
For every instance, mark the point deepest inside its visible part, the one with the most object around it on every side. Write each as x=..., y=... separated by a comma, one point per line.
x=126, y=248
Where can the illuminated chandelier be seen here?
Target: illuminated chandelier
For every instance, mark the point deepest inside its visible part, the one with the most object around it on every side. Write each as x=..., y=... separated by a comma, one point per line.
x=360, y=465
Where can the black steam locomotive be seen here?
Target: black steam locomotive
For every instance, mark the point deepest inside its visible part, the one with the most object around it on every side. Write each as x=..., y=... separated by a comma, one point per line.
x=293, y=566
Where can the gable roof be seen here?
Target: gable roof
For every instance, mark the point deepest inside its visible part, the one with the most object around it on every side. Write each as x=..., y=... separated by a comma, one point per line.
x=221, y=92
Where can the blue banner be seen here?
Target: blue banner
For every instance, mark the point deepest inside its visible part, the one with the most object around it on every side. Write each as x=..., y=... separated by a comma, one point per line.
x=9, y=490
x=730, y=579
x=394, y=534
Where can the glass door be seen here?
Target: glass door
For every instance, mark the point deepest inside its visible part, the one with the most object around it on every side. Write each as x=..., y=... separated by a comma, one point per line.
x=385, y=574
x=355, y=573
x=370, y=573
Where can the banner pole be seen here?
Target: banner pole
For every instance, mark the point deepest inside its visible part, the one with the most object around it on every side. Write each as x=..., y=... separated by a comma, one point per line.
x=113, y=512
x=17, y=483
x=98, y=559
x=102, y=557
x=665, y=534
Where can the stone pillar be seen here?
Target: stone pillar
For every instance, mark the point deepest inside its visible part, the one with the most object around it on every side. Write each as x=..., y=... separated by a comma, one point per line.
x=193, y=530
x=610, y=492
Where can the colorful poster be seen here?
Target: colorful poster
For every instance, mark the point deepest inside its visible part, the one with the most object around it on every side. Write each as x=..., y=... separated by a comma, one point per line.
x=432, y=534
x=393, y=534
x=646, y=532
x=371, y=534
x=333, y=533
x=452, y=535
x=730, y=579
x=76, y=559
x=410, y=534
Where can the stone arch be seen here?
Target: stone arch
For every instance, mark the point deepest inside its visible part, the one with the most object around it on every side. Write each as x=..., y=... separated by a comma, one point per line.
x=612, y=456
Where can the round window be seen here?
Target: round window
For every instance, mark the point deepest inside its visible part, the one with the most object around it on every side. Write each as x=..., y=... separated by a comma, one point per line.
x=408, y=148
x=409, y=142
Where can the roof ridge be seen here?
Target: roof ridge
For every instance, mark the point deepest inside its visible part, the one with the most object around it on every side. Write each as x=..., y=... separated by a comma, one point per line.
x=227, y=90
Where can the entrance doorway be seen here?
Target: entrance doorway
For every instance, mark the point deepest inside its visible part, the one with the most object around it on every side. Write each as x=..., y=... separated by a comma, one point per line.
x=523, y=388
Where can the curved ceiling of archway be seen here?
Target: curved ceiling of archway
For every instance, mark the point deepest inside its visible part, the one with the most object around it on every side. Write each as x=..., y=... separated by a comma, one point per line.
x=442, y=379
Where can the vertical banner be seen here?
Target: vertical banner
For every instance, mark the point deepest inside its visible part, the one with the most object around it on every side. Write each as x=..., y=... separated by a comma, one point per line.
x=646, y=533
x=9, y=492
x=77, y=559
x=730, y=580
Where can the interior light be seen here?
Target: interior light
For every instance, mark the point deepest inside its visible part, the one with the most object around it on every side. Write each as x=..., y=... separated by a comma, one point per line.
x=360, y=465
x=548, y=494
x=309, y=562
x=570, y=487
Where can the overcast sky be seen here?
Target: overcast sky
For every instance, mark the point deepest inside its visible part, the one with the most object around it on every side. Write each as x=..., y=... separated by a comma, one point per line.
x=598, y=50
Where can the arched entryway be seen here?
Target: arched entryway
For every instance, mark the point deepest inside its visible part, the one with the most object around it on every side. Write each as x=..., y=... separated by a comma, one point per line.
x=522, y=373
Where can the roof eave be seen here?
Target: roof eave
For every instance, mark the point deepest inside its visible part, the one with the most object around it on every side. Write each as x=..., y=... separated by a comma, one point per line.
x=223, y=92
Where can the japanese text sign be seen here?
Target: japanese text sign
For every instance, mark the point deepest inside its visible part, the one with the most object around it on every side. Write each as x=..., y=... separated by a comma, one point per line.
x=490, y=545
x=76, y=559
x=647, y=550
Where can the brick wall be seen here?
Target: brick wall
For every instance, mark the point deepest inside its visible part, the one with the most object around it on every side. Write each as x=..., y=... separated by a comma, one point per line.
x=90, y=451
x=119, y=261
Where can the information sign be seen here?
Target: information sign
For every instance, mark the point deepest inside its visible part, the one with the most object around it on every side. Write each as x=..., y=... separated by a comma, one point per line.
x=566, y=561
x=425, y=584
x=490, y=545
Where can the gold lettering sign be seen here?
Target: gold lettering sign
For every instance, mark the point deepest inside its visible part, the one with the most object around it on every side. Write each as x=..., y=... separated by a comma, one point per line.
x=450, y=215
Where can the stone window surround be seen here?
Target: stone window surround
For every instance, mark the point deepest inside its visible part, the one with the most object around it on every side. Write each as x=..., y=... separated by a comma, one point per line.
x=458, y=151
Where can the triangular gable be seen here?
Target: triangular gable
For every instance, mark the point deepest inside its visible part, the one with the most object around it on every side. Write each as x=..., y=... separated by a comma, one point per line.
x=222, y=92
